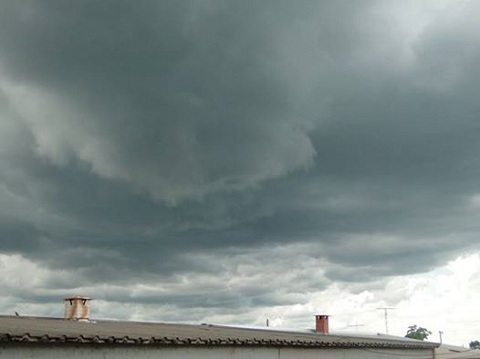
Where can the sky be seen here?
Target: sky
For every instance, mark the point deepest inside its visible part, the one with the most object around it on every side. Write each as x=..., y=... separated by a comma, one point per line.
x=229, y=162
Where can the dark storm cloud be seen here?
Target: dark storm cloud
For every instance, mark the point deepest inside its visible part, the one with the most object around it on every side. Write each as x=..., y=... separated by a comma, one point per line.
x=138, y=136
x=197, y=93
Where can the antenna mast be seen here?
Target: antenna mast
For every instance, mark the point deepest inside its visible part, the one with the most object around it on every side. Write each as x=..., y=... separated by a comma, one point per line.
x=386, y=309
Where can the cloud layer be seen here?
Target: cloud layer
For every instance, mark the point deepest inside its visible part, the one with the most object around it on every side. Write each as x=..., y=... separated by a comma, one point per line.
x=220, y=156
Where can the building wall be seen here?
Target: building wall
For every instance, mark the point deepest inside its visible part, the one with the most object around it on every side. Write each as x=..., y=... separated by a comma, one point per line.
x=120, y=352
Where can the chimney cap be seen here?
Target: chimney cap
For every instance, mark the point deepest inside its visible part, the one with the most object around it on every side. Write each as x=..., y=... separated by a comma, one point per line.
x=77, y=297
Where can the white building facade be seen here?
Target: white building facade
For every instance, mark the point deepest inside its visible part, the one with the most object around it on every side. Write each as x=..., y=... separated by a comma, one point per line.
x=124, y=352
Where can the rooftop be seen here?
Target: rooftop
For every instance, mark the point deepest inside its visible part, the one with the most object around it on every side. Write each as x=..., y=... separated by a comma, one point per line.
x=17, y=330
x=455, y=352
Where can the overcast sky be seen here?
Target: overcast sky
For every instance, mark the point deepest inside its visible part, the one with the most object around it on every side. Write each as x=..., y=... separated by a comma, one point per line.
x=230, y=161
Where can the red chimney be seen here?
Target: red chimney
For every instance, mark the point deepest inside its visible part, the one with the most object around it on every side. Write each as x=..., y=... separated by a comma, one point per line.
x=321, y=324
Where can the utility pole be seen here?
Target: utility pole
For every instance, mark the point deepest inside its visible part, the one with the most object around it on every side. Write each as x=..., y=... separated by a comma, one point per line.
x=440, y=333
x=385, y=310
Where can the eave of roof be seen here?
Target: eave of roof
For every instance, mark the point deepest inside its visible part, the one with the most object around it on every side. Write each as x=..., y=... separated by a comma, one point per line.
x=54, y=331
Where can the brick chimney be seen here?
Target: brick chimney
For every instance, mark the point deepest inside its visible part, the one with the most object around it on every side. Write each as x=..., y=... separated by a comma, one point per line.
x=321, y=323
x=76, y=308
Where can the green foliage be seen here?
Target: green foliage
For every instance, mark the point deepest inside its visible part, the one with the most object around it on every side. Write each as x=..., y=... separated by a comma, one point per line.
x=419, y=333
x=474, y=344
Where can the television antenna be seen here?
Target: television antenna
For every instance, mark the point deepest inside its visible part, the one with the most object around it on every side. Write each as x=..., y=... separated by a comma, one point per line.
x=385, y=310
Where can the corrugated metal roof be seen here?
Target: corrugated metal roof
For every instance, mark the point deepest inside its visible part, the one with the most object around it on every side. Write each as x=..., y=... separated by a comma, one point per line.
x=48, y=331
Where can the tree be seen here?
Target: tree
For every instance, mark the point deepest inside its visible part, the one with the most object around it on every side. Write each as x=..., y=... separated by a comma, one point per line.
x=474, y=344
x=419, y=333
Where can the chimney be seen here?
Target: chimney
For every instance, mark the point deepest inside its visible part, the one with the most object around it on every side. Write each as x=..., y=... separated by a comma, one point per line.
x=321, y=324
x=76, y=308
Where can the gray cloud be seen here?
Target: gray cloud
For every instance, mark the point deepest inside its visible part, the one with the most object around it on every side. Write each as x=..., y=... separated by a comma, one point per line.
x=146, y=143
x=150, y=112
